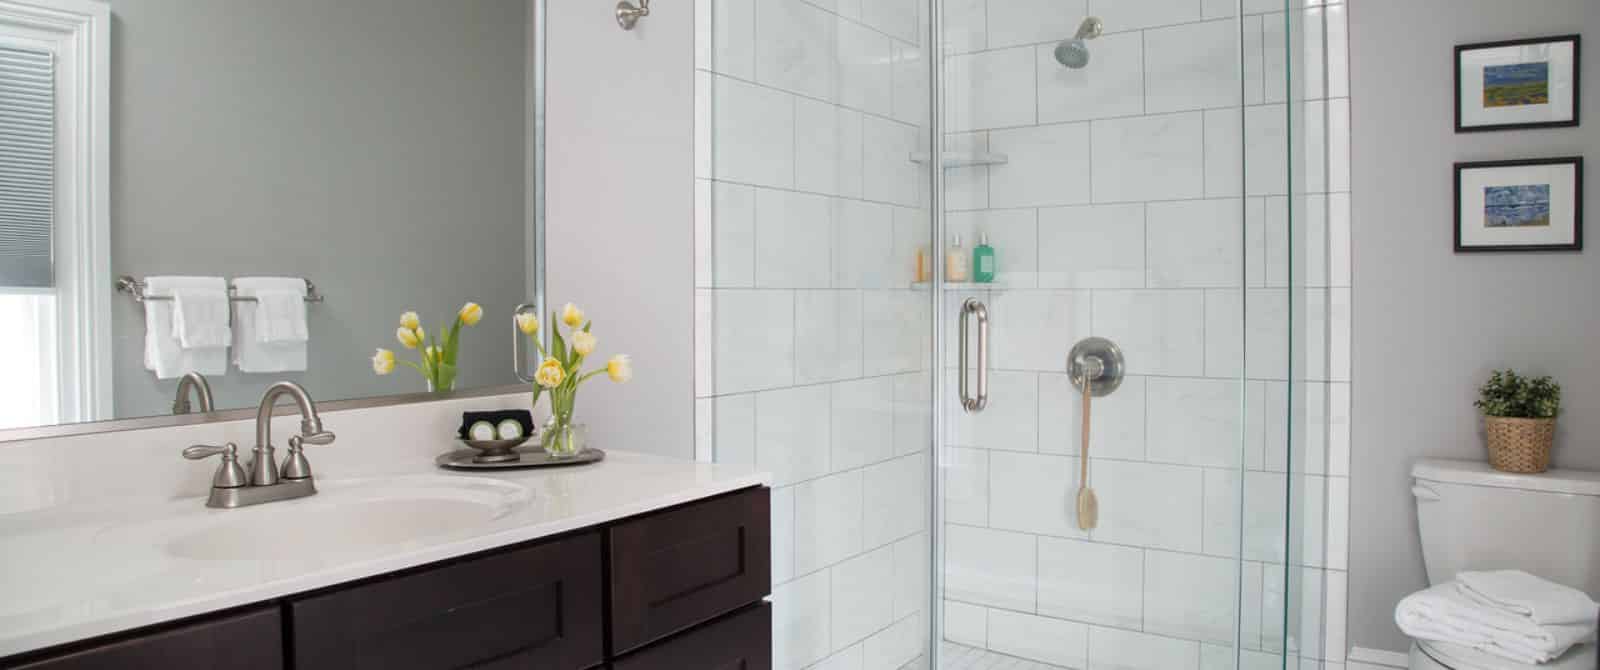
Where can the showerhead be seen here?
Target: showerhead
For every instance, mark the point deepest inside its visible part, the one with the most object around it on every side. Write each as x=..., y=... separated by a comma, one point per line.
x=1074, y=53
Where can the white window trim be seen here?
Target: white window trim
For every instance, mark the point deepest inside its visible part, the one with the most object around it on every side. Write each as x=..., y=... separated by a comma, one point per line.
x=79, y=33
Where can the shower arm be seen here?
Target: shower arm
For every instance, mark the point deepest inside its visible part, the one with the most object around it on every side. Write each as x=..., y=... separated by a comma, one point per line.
x=1089, y=29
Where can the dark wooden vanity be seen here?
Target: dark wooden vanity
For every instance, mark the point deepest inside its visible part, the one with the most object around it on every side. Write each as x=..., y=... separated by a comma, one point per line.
x=680, y=587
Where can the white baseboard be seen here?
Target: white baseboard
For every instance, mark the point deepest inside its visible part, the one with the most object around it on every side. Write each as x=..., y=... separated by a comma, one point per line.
x=1379, y=657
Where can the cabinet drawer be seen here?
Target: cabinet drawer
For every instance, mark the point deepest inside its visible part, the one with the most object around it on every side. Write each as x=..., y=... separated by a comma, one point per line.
x=250, y=640
x=535, y=606
x=689, y=565
x=741, y=641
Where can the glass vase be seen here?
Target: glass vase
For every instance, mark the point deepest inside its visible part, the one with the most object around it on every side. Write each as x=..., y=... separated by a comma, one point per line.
x=562, y=438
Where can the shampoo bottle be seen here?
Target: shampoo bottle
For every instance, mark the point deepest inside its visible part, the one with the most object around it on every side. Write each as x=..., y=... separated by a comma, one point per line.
x=955, y=261
x=983, y=263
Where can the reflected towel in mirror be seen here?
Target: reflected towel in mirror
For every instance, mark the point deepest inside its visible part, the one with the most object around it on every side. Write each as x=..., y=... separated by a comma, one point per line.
x=270, y=334
x=164, y=354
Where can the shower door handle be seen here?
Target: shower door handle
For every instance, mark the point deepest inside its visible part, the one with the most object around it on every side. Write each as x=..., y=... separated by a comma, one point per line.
x=974, y=403
x=519, y=343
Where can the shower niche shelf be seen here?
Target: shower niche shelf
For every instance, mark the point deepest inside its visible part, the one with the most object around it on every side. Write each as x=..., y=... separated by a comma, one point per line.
x=970, y=286
x=961, y=159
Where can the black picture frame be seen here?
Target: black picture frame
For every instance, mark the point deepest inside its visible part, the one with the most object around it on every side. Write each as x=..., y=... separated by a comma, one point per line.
x=1577, y=83
x=1577, y=211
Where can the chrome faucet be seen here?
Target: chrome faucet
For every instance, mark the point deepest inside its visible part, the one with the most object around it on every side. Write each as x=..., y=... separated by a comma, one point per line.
x=266, y=482
x=202, y=391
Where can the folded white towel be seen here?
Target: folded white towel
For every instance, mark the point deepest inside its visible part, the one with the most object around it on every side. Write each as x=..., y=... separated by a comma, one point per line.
x=1518, y=592
x=163, y=353
x=1442, y=614
x=200, y=316
x=270, y=334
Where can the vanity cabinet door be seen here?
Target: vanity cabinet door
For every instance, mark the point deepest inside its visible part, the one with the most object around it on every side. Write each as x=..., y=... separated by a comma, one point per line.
x=249, y=640
x=688, y=565
x=741, y=641
x=530, y=607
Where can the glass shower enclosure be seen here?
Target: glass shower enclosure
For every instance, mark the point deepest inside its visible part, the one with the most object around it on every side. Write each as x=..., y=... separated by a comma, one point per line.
x=1149, y=176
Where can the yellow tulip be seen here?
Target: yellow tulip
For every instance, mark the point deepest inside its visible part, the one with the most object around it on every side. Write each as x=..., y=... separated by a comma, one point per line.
x=571, y=315
x=471, y=313
x=433, y=353
x=383, y=362
x=584, y=343
x=550, y=374
x=409, y=321
x=620, y=368
x=408, y=337
x=528, y=323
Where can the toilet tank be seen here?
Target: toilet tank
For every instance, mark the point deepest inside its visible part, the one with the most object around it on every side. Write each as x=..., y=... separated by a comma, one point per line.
x=1472, y=517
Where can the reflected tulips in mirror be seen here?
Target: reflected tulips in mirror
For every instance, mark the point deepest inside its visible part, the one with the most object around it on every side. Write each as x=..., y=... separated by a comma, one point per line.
x=436, y=360
x=560, y=373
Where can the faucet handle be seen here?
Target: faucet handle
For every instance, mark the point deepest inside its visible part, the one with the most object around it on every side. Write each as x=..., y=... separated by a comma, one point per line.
x=295, y=466
x=229, y=475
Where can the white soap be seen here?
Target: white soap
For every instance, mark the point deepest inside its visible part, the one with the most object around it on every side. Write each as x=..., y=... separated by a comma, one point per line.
x=481, y=430
x=510, y=429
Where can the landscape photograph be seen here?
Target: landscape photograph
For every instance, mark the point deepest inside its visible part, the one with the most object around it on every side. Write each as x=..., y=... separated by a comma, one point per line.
x=1516, y=206
x=1516, y=84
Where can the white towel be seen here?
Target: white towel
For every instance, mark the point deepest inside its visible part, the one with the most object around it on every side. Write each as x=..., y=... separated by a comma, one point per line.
x=1442, y=614
x=1518, y=592
x=270, y=334
x=163, y=353
x=200, y=317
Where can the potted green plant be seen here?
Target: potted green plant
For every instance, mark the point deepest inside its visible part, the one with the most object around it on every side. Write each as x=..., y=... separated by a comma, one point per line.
x=1519, y=418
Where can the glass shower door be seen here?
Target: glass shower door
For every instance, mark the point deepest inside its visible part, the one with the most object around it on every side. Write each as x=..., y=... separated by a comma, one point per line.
x=1126, y=165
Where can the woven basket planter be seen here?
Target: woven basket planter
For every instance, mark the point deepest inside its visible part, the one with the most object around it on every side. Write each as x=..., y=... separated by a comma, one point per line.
x=1519, y=445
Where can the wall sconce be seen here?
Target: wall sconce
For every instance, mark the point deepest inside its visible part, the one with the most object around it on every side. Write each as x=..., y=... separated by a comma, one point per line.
x=628, y=14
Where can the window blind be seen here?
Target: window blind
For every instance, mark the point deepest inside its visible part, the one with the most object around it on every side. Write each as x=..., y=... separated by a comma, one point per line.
x=27, y=167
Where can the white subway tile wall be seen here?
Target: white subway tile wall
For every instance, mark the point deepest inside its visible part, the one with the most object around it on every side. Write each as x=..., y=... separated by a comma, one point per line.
x=1148, y=198
x=813, y=346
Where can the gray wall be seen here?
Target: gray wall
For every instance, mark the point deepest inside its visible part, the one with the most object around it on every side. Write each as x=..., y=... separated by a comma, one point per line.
x=620, y=222
x=1430, y=324
x=370, y=145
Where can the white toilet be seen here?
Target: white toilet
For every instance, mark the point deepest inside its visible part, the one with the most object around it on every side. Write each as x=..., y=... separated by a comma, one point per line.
x=1472, y=517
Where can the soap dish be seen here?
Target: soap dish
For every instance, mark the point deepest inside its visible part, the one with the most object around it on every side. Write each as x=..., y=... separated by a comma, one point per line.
x=495, y=451
x=526, y=457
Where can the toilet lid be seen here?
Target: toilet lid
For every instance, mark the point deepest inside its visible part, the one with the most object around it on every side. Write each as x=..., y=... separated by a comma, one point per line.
x=1457, y=657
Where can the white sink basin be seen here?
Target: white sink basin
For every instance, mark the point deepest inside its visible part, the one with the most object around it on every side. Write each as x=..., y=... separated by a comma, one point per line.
x=352, y=516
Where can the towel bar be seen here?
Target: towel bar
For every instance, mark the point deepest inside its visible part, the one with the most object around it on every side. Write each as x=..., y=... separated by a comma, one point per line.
x=135, y=289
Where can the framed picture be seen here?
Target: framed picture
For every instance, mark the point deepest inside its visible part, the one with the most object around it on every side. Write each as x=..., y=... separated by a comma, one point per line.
x=1517, y=84
x=1521, y=205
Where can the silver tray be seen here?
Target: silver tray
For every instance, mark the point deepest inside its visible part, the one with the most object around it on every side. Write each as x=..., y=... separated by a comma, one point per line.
x=527, y=457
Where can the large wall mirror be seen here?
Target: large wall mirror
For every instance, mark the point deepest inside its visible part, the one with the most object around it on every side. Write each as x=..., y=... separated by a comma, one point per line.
x=380, y=156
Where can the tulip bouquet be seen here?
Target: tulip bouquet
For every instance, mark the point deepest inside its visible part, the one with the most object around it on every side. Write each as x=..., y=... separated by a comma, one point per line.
x=437, y=363
x=560, y=374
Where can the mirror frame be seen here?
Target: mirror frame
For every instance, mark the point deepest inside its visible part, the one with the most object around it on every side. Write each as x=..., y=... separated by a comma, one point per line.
x=534, y=215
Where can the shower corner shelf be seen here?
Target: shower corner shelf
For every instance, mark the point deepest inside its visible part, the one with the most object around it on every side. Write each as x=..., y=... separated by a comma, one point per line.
x=960, y=286
x=961, y=159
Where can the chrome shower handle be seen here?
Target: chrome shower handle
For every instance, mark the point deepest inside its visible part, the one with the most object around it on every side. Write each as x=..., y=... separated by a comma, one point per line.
x=519, y=342
x=974, y=403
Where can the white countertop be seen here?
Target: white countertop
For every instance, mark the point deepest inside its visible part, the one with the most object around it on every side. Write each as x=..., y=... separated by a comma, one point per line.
x=90, y=567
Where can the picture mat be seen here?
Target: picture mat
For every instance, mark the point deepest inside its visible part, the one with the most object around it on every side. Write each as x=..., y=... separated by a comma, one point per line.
x=1563, y=199
x=1559, y=106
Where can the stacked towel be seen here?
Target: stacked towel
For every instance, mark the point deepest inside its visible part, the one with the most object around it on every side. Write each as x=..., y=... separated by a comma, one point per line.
x=193, y=316
x=271, y=333
x=1446, y=613
x=1520, y=593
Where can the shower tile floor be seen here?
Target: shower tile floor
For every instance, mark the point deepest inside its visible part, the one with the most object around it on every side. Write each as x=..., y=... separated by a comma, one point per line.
x=954, y=656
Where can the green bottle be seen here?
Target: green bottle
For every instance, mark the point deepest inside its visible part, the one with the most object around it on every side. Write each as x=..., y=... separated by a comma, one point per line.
x=983, y=263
